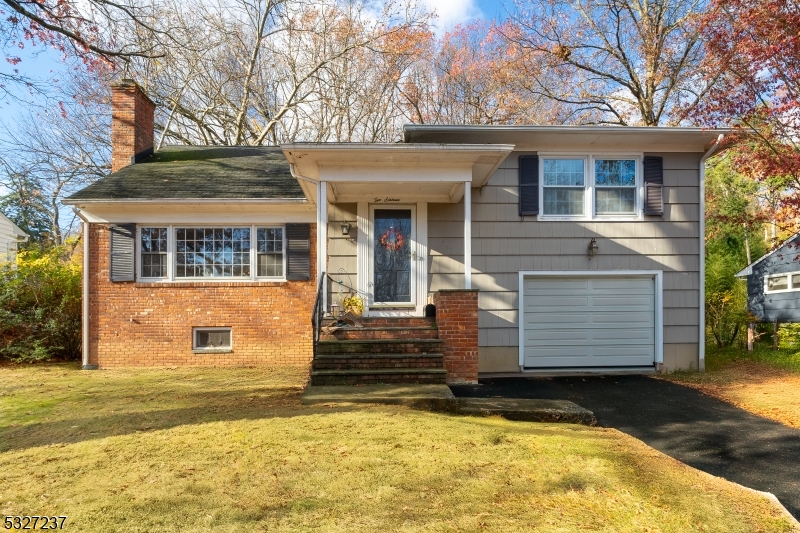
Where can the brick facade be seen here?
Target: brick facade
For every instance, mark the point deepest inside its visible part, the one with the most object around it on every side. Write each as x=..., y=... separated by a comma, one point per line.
x=150, y=324
x=457, y=319
x=132, y=115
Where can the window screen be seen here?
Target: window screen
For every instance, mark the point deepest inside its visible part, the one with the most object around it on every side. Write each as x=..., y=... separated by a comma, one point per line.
x=615, y=186
x=563, y=186
x=212, y=338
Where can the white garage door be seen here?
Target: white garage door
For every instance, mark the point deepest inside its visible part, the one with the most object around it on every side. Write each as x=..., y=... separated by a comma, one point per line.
x=589, y=322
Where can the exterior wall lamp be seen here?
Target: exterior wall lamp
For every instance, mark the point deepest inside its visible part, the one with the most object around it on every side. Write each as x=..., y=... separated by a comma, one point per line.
x=592, y=248
x=345, y=228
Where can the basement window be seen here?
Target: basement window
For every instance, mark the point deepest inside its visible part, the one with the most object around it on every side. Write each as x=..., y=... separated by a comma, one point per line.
x=214, y=340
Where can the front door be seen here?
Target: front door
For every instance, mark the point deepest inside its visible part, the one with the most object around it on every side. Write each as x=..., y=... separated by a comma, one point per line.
x=392, y=259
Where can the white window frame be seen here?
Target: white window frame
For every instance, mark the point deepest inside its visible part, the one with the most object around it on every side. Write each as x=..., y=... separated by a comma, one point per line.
x=788, y=275
x=217, y=349
x=254, y=249
x=139, y=276
x=589, y=209
x=172, y=254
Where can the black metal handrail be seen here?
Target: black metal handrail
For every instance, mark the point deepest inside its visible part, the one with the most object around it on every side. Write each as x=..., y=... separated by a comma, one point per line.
x=317, y=313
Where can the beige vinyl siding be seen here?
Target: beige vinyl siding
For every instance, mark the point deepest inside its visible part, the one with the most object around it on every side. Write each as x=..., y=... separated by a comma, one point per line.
x=503, y=244
x=342, y=252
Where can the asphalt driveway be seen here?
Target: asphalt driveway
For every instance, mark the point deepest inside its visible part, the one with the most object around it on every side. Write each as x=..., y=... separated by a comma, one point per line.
x=701, y=431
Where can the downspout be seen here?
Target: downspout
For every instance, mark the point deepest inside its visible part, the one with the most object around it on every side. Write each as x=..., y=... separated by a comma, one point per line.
x=85, y=296
x=701, y=363
x=317, y=184
x=17, y=240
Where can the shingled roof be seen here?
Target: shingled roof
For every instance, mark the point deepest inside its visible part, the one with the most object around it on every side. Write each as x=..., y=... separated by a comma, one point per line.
x=200, y=172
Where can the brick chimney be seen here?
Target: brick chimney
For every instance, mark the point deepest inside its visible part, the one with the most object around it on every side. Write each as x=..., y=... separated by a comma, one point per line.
x=131, y=124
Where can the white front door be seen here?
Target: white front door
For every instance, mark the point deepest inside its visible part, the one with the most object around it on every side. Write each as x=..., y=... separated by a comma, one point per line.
x=393, y=265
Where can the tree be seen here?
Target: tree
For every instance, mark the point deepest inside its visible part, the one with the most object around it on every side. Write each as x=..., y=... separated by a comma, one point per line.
x=755, y=45
x=472, y=76
x=627, y=62
x=262, y=67
x=46, y=155
x=40, y=305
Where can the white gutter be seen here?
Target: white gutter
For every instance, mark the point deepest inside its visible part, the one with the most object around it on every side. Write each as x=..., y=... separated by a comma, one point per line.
x=701, y=363
x=85, y=297
x=188, y=200
x=322, y=226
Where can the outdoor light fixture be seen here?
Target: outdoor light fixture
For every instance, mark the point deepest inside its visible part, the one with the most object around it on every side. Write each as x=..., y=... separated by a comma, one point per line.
x=345, y=228
x=592, y=248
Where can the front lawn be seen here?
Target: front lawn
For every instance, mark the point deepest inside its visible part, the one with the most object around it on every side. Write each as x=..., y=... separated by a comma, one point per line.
x=234, y=450
x=764, y=382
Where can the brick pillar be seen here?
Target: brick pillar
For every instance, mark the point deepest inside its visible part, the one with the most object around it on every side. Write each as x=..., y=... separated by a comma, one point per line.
x=132, y=115
x=457, y=320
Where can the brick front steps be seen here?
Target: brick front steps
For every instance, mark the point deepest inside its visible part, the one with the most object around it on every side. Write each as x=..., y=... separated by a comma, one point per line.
x=383, y=350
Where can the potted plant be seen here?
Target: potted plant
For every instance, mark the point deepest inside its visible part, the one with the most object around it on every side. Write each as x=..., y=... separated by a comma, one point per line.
x=353, y=304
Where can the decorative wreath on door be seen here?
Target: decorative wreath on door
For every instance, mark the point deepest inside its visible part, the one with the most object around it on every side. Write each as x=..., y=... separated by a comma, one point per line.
x=392, y=239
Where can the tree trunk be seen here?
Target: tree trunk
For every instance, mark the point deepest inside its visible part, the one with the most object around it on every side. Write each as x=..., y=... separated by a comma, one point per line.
x=751, y=336
x=775, y=335
x=747, y=242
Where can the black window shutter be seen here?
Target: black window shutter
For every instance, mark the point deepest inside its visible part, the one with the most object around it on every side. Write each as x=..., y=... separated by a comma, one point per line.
x=653, y=186
x=298, y=252
x=123, y=237
x=528, y=185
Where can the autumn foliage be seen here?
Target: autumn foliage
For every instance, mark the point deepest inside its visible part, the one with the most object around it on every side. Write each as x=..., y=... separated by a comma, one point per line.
x=753, y=49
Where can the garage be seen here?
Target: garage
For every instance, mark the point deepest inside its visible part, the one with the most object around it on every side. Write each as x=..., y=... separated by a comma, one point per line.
x=590, y=321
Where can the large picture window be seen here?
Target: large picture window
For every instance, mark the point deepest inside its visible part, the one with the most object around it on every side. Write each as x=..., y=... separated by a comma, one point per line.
x=212, y=252
x=235, y=252
x=589, y=187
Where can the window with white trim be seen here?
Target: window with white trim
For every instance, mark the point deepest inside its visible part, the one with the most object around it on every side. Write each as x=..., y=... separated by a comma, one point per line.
x=789, y=281
x=269, y=252
x=153, y=252
x=590, y=187
x=166, y=253
x=212, y=252
x=211, y=339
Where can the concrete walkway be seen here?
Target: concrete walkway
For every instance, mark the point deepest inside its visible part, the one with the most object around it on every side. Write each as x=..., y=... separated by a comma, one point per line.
x=439, y=398
x=701, y=431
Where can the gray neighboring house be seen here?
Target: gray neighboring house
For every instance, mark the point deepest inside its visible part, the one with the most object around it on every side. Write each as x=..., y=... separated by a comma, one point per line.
x=10, y=237
x=773, y=283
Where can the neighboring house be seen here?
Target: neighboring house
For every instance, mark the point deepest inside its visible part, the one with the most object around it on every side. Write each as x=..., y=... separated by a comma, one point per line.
x=10, y=237
x=773, y=283
x=544, y=248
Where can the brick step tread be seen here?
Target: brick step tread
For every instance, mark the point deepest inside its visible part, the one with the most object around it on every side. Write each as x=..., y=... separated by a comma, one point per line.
x=388, y=328
x=379, y=355
x=372, y=368
x=380, y=341
x=387, y=371
x=388, y=321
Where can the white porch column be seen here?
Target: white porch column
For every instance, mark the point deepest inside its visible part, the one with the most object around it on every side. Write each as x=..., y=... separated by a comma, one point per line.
x=467, y=235
x=322, y=236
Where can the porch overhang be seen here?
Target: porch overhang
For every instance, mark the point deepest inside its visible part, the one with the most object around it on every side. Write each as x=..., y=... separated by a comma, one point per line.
x=356, y=172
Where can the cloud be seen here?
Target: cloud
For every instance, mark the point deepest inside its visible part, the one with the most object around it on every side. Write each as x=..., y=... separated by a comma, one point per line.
x=452, y=12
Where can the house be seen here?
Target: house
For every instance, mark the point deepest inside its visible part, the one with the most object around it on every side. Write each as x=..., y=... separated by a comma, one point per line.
x=542, y=248
x=773, y=283
x=10, y=237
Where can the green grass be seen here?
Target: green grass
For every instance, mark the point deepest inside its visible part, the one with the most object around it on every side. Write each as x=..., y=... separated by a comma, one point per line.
x=235, y=450
x=783, y=358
